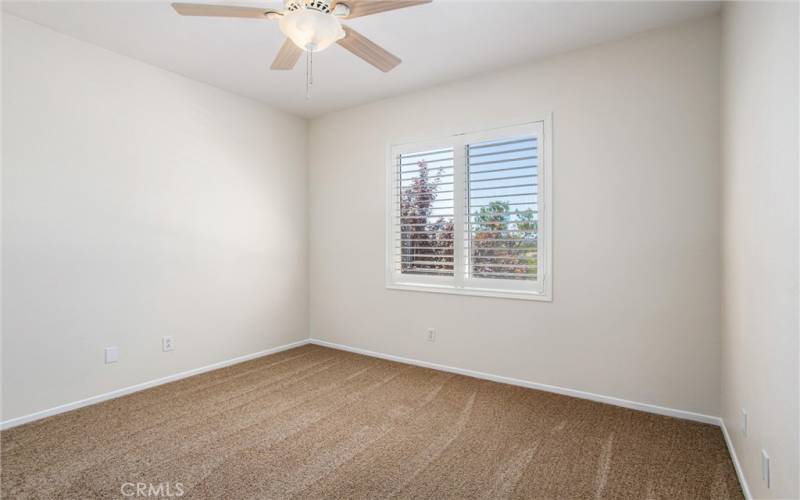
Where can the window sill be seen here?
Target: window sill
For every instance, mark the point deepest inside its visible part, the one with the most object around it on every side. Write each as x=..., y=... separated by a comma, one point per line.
x=476, y=292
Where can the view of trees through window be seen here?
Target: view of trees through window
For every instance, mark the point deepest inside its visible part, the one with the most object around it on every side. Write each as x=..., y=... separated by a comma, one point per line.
x=426, y=219
x=501, y=216
x=504, y=242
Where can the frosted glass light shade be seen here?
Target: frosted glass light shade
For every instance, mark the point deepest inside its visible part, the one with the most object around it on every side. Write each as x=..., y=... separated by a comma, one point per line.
x=310, y=29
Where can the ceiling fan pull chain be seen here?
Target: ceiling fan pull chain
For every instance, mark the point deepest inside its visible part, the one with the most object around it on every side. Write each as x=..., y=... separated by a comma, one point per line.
x=309, y=73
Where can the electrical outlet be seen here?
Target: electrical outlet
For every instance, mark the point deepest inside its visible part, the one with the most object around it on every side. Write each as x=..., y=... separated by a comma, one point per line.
x=744, y=421
x=166, y=343
x=431, y=334
x=112, y=354
x=765, y=466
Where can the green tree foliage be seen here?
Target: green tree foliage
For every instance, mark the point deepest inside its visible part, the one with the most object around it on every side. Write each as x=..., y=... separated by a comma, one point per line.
x=504, y=242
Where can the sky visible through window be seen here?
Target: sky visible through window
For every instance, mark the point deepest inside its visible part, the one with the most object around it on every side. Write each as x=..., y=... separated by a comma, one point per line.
x=493, y=170
x=443, y=160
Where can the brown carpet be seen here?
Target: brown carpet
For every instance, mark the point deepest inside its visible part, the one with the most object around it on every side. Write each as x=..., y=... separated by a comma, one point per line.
x=318, y=423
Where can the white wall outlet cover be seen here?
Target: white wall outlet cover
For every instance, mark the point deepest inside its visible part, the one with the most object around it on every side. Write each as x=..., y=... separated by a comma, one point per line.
x=112, y=354
x=431, y=334
x=166, y=343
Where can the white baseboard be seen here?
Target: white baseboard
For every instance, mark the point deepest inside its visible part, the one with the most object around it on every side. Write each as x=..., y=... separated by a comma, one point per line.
x=737, y=467
x=650, y=408
x=660, y=410
x=13, y=422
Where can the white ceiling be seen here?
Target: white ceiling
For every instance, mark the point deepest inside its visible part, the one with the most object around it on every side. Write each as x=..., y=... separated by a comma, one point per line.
x=438, y=42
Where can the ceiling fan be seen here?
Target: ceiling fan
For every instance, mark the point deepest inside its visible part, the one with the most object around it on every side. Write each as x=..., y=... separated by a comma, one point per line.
x=313, y=25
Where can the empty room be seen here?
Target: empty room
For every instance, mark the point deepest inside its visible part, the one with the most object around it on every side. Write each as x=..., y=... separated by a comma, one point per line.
x=412, y=249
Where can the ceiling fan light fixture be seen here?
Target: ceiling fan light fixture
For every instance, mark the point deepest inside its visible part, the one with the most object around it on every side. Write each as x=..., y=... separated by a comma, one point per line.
x=310, y=29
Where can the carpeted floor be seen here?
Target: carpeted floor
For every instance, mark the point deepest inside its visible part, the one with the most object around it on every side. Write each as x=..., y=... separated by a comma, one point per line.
x=318, y=423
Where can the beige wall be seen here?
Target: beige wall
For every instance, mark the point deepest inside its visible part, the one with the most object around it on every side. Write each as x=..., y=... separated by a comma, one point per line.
x=137, y=204
x=636, y=272
x=760, y=210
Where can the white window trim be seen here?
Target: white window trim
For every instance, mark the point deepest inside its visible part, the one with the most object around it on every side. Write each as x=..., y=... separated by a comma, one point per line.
x=541, y=290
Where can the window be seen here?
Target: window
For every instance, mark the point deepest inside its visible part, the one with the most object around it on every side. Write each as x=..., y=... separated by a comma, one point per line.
x=468, y=214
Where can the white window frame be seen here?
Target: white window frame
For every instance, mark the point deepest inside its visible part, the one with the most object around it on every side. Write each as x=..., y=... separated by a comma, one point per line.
x=460, y=284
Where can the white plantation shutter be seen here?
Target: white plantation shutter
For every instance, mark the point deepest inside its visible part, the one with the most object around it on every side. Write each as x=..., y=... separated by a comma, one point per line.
x=424, y=214
x=467, y=214
x=502, y=209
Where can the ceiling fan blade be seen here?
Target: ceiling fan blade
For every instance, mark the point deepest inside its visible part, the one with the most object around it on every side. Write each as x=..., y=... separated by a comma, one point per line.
x=200, y=9
x=359, y=8
x=368, y=50
x=287, y=57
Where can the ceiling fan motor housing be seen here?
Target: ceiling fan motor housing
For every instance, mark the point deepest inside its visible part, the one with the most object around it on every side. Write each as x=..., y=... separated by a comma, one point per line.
x=338, y=9
x=323, y=6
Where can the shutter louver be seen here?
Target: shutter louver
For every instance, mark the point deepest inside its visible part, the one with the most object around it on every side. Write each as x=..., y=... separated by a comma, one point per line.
x=502, y=215
x=423, y=222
